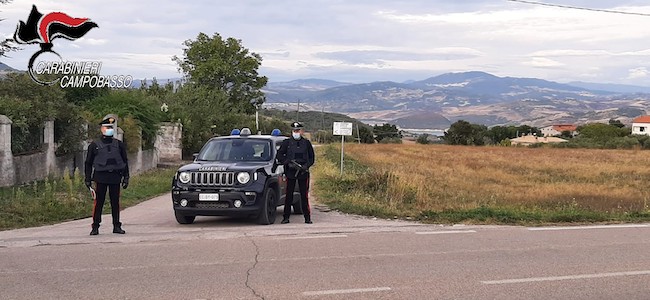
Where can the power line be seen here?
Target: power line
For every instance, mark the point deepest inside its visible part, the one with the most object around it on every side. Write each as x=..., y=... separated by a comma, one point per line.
x=582, y=8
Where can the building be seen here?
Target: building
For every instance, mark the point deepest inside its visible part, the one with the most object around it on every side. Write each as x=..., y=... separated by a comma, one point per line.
x=641, y=125
x=555, y=130
x=531, y=139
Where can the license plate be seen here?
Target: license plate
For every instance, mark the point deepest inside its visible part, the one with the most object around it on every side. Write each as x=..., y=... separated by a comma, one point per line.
x=208, y=197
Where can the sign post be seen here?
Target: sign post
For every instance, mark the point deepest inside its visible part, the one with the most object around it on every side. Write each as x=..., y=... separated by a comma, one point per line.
x=342, y=129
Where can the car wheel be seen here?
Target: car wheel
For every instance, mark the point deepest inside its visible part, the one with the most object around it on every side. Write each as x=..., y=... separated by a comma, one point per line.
x=269, y=208
x=297, y=207
x=183, y=219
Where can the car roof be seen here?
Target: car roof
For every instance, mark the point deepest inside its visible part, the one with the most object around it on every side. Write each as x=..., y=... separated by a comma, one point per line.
x=255, y=136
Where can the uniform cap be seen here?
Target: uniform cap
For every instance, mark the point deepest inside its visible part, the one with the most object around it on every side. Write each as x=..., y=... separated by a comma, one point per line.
x=109, y=119
x=296, y=125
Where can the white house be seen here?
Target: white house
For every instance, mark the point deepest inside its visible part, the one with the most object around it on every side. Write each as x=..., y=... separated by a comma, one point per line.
x=641, y=125
x=555, y=130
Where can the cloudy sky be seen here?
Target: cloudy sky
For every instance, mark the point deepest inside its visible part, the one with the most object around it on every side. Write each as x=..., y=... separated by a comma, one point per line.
x=363, y=40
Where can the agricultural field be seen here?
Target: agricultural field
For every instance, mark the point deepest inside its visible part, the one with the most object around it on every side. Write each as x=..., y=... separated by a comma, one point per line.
x=487, y=185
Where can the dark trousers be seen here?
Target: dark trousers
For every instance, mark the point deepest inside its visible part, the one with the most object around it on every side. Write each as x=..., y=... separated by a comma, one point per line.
x=303, y=187
x=114, y=194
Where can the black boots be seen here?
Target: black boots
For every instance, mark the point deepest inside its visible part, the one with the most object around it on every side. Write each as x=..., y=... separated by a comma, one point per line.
x=285, y=220
x=118, y=229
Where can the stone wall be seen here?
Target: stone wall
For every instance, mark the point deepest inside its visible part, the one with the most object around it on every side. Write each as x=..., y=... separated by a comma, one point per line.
x=21, y=169
x=169, y=142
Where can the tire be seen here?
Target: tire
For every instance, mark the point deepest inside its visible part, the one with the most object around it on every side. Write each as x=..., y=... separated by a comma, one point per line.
x=183, y=219
x=297, y=206
x=269, y=208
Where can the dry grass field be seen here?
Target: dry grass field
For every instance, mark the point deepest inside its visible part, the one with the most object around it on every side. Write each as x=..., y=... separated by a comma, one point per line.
x=488, y=184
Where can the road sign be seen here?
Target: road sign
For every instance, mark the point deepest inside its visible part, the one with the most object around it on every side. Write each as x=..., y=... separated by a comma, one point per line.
x=342, y=128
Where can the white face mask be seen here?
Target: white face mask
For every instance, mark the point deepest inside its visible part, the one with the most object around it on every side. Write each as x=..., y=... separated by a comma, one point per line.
x=295, y=135
x=109, y=132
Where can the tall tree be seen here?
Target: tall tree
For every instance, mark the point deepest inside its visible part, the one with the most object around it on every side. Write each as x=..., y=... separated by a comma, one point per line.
x=224, y=66
x=465, y=133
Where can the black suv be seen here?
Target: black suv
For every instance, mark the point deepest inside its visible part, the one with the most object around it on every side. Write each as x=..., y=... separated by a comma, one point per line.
x=232, y=176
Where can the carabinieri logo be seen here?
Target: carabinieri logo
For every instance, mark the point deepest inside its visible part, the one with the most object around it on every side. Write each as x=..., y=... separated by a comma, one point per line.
x=43, y=29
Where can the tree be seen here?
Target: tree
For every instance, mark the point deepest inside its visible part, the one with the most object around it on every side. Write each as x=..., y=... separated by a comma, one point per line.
x=465, y=133
x=224, y=66
x=386, y=131
x=366, y=135
x=617, y=123
x=423, y=139
x=600, y=131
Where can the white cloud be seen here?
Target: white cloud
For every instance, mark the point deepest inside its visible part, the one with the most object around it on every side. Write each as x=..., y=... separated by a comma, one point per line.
x=361, y=40
x=640, y=72
x=542, y=62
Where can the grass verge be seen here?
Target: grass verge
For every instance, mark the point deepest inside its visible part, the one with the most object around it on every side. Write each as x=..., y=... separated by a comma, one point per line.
x=56, y=200
x=485, y=185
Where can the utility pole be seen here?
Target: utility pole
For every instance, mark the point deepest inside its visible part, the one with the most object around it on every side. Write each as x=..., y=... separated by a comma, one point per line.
x=358, y=135
x=298, y=112
x=322, y=117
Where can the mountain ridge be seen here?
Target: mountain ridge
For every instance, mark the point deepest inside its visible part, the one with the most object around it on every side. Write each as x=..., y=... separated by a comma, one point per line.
x=474, y=95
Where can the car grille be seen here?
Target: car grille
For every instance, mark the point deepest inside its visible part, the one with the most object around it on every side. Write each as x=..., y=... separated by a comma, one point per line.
x=212, y=205
x=213, y=178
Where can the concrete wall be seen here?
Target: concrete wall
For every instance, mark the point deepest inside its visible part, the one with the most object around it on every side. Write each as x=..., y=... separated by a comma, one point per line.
x=169, y=142
x=21, y=169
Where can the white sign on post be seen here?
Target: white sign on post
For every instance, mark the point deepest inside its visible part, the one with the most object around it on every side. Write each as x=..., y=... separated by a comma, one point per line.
x=342, y=129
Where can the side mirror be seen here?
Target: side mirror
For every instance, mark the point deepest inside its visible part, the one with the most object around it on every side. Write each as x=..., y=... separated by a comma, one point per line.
x=195, y=155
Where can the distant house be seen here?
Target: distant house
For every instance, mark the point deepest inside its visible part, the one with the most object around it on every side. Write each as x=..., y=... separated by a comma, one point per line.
x=555, y=130
x=641, y=125
x=531, y=139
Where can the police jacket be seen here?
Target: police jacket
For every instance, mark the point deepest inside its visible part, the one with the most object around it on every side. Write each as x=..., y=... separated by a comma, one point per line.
x=300, y=151
x=106, y=161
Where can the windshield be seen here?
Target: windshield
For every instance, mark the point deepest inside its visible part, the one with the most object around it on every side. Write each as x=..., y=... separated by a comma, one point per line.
x=236, y=150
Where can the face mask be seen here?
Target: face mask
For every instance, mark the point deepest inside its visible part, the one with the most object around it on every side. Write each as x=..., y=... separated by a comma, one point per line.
x=295, y=135
x=109, y=132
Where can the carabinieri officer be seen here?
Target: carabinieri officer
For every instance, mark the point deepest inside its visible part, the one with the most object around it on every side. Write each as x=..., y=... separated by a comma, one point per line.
x=297, y=156
x=108, y=167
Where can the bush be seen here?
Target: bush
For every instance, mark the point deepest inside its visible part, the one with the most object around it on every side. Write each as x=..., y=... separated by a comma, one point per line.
x=136, y=111
x=423, y=139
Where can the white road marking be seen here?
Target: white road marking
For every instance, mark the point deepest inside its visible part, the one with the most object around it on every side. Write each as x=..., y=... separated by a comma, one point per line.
x=445, y=232
x=349, y=291
x=321, y=236
x=570, y=277
x=588, y=227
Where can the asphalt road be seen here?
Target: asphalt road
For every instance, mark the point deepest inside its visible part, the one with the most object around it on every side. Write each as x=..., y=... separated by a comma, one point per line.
x=338, y=257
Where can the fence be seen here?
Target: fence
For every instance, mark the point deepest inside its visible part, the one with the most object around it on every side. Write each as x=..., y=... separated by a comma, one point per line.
x=21, y=169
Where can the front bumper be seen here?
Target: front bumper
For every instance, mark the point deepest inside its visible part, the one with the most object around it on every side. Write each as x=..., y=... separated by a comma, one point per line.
x=251, y=202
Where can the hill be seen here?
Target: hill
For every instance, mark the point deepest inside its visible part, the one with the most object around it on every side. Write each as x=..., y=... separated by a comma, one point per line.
x=474, y=96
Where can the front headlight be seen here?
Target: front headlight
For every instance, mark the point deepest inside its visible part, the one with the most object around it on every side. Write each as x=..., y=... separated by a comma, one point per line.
x=243, y=177
x=184, y=177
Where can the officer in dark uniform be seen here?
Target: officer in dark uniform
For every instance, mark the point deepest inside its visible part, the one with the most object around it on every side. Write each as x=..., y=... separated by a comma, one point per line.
x=108, y=167
x=297, y=156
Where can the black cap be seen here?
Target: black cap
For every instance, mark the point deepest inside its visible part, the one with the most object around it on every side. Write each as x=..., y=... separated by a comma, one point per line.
x=109, y=119
x=296, y=125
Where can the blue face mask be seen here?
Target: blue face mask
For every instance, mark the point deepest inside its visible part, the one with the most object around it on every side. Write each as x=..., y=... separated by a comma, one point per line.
x=109, y=132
